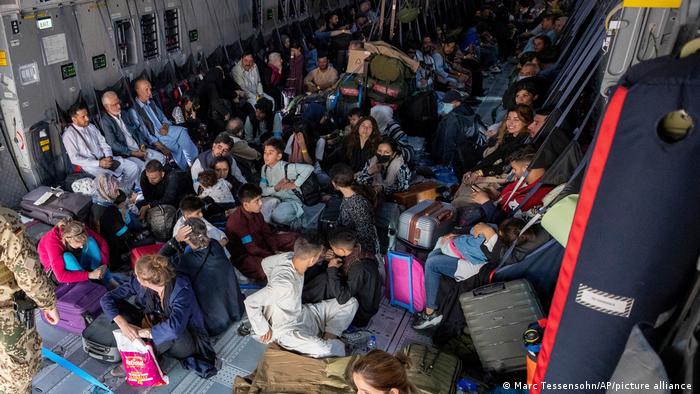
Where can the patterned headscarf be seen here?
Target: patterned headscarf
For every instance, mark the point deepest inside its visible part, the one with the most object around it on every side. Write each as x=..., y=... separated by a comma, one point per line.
x=106, y=188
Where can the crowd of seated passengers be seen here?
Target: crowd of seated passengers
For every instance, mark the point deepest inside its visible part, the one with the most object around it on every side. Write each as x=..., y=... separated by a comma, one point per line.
x=371, y=160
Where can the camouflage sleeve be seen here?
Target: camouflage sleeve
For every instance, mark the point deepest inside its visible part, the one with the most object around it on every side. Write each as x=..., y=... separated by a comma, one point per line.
x=19, y=255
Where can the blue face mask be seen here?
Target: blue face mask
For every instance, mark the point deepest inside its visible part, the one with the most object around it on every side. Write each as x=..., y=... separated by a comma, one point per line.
x=445, y=108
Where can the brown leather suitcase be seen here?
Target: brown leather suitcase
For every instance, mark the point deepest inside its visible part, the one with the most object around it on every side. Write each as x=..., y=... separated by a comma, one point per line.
x=417, y=193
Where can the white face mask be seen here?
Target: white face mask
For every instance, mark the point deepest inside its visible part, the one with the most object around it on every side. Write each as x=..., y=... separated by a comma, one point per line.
x=445, y=108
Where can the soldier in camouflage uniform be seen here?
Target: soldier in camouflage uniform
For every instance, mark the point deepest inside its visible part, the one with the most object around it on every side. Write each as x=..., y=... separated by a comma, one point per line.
x=20, y=269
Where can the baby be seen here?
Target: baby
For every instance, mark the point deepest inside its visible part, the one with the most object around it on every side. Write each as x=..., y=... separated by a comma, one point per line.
x=218, y=189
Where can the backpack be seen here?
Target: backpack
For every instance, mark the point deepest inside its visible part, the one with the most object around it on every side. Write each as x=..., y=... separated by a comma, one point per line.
x=310, y=191
x=387, y=69
x=161, y=220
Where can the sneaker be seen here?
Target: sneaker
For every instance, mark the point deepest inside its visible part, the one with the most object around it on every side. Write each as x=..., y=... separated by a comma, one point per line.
x=359, y=337
x=118, y=371
x=423, y=320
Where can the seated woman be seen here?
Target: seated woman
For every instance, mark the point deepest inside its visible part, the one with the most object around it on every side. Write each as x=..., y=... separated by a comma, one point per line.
x=74, y=253
x=359, y=146
x=511, y=136
x=380, y=372
x=353, y=272
x=272, y=78
x=386, y=172
x=462, y=257
x=113, y=221
x=356, y=208
x=388, y=127
x=206, y=264
x=170, y=305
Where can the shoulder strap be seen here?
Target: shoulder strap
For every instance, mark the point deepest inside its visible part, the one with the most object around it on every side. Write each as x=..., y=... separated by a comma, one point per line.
x=82, y=138
x=76, y=370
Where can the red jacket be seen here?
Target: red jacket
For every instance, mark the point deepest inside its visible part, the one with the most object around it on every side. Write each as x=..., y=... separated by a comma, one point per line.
x=520, y=194
x=51, y=251
x=249, y=234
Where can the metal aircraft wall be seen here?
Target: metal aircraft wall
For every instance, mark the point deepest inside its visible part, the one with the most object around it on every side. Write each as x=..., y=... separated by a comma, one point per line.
x=52, y=52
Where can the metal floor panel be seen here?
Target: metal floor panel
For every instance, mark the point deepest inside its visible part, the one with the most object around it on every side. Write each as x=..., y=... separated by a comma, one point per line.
x=239, y=356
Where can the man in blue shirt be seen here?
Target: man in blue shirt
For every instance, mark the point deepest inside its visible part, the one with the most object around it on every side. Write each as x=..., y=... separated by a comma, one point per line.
x=154, y=123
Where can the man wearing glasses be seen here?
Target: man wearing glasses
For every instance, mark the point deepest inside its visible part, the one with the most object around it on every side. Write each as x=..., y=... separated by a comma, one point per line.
x=125, y=137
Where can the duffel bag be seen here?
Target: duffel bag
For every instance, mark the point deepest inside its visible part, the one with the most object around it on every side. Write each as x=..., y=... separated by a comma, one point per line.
x=50, y=205
x=387, y=69
x=383, y=91
x=432, y=370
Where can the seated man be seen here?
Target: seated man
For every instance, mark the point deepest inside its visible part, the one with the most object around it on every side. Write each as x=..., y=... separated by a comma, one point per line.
x=252, y=239
x=351, y=273
x=207, y=266
x=277, y=314
x=455, y=142
x=87, y=148
x=221, y=147
x=192, y=207
x=280, y=182
x=321, y=78
x=235, y=128
x=125, y=137
x=162, y=186
x=154, y=123
x=426, y=71
x=246, y=75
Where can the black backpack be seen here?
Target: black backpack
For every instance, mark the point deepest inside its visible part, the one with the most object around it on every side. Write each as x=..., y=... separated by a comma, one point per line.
x=310, y=193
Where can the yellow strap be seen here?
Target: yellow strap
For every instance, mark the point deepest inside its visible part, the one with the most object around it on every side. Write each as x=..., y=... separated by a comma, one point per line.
x=653, y=3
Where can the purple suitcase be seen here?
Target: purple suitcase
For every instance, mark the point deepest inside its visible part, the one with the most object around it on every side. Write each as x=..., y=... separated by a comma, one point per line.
x=78, y=305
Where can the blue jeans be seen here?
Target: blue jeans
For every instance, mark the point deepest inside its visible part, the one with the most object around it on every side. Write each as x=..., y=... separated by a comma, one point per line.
x=437, y=264
x=90, y=260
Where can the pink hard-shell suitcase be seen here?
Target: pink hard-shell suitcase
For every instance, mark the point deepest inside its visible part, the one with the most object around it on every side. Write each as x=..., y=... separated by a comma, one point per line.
x=405, y=286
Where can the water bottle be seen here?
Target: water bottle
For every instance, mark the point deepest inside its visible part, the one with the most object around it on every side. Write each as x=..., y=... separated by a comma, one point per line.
x=467, y=386
x=392, y=238
x=372, y=343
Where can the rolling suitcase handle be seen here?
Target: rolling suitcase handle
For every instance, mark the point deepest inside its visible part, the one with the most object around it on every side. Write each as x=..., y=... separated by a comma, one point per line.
x=489, y=289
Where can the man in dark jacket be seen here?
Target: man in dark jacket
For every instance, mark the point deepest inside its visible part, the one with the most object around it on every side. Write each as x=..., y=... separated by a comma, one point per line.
x=456, y=141
x=206, y=265
x=162, y=186
x=125, y=137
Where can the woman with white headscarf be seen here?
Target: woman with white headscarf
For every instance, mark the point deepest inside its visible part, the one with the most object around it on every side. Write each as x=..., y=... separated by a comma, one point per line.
x=388, y=127
x=273, y=78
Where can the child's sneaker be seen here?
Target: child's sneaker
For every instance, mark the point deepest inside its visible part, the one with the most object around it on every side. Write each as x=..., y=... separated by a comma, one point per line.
x=423, y=320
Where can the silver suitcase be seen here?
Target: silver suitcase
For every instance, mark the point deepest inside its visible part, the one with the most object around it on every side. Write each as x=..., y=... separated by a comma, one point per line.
x=497, y=316
x=425, y=222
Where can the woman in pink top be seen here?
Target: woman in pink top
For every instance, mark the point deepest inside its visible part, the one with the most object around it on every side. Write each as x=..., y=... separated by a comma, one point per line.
x=74, y=253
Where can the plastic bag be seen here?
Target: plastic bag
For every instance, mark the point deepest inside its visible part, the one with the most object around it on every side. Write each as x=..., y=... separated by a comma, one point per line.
x=139, y=361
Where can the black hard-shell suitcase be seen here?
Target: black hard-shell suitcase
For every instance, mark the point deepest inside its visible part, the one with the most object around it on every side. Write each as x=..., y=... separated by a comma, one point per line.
x=99, y=342
x=497, y=316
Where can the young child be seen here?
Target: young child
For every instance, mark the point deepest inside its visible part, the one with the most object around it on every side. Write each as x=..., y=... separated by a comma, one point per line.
x=463, y=258
x=218, y=189
x=280, y=182
x=193, y=207
x=252, y=239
